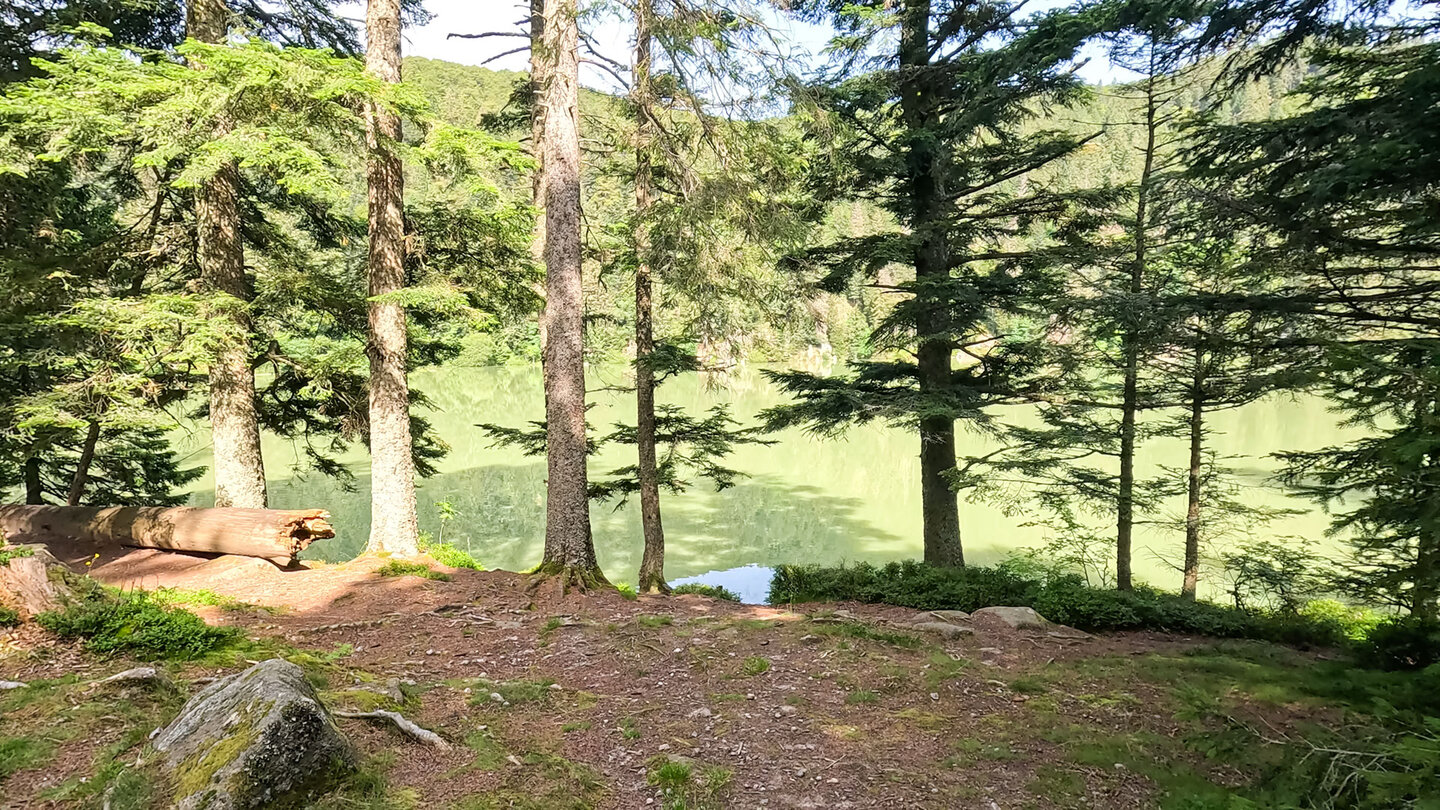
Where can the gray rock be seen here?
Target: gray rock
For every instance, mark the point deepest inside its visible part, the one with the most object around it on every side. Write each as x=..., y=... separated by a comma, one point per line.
x=1021, y=618
x=247, y=740
x=952, y=616
x=945, y=629
x=11, y=685
x=139, y=676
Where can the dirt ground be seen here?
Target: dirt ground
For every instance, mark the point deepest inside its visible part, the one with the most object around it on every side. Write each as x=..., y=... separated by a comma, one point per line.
x=566, y=700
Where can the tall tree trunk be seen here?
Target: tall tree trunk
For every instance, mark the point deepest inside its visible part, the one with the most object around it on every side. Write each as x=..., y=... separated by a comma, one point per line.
x=539, y=73
x=1125, y=496
x=940, y=509
x=569, y=549
x=82, y=467
x=393, y=522
x=1130, y=347
x=1192, y=498
x=234, y=423
x=652, y=562
x=34, y=489
x=1426, y=595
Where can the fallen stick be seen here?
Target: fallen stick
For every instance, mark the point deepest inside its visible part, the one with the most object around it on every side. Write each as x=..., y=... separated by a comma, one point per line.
x=417, y=733
x=275, y=534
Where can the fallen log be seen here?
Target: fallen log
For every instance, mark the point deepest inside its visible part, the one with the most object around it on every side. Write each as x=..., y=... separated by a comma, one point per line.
x=273, y=534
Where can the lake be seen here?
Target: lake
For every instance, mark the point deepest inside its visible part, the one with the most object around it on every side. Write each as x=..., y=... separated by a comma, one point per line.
x=805, y=500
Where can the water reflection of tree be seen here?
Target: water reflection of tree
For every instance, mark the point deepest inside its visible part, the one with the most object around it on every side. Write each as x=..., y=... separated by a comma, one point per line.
x=501, y=519
x=763, y=520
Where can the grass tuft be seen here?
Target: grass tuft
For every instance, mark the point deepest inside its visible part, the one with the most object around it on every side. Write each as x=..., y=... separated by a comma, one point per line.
x=450, y=555
x=401, y=568
x=755, y=665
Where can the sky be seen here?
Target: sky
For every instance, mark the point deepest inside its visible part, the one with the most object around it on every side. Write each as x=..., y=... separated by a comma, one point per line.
x=611, y=35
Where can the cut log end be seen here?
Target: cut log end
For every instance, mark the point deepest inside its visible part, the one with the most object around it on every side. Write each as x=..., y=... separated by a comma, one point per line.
x=305, y=528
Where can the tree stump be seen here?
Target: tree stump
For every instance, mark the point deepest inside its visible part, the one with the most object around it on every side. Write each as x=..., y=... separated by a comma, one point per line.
x=32, y=581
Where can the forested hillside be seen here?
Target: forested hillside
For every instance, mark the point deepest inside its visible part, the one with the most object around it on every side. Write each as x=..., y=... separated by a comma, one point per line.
x=828, y=326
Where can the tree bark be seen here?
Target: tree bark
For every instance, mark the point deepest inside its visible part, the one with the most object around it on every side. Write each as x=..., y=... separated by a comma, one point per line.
x=82, y=467
x=940, y=508
x=276, y=534
x=1426, y=601
x=1192, y=499
x=234, y=422
x=394, y=526
x=34, y=488
x=569, y=550
x=1130, y=350
x=652, y=562
x=539, y=80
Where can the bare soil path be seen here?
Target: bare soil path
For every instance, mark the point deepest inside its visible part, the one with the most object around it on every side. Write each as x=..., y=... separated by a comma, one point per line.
x=556, y=700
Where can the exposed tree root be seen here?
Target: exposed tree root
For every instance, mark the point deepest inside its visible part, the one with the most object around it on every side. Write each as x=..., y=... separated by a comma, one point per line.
x=410, y=729
x=654, y=586
x=565, y=578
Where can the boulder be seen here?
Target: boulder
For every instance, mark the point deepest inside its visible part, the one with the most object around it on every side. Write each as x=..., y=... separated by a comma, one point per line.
x=1021, y=618
x=249, y=739
x=32, y=581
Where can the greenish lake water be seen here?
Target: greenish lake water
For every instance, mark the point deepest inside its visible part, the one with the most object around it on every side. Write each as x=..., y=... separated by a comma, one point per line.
x=805, y=500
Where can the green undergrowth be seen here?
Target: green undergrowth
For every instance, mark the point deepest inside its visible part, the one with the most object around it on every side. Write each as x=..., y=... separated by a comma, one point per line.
x=1064, y=599
x=136, y=623
x=687, y=785
x=206, y=598
x=528, y=771
x=449, y=554
x=512, y=693
x=862, y=630
x=714, y=591
x=368, y=787
x=9, y=617
x=46, y=717
x=8, y=553
x=403, y=568
x=1304, y=733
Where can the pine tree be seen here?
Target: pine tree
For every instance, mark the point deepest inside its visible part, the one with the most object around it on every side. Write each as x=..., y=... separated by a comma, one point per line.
x=691, y=168
x=652, y=561
x=932, y=133
x=1346, y=186
x=394, y=525
x=89, y=132
x=234, y=423
x=569, y=546
x=1218, y=355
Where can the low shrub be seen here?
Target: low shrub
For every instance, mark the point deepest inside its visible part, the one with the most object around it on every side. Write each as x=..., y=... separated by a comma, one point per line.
x=134, y=622
x=714, y=591
x=910, y=584
x=9, y=617
x=1402, y=643
x=1065, y=599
